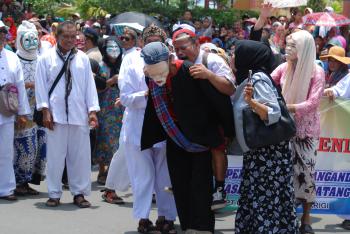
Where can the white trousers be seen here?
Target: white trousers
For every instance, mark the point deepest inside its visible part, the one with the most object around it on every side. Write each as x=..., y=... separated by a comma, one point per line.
x=148, y=172
x=70, y=144
x=7, y=174
x=118, y=177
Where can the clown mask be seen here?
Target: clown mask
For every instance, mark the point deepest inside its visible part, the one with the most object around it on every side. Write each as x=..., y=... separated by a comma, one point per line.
x=157, y=72
x=112, y=49
x=29, y=41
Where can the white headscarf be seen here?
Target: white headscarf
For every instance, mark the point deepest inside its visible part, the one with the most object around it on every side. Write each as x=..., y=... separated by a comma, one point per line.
x=298, y=76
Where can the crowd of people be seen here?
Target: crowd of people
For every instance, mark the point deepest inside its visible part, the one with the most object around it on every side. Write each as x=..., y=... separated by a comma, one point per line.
x=162, y=106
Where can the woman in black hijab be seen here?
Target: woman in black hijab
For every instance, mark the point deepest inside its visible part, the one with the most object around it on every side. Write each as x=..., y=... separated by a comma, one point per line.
x=266, y=203
x=252, y=55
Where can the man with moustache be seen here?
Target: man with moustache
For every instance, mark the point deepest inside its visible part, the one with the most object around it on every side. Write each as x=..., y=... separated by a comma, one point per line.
x=67, y=114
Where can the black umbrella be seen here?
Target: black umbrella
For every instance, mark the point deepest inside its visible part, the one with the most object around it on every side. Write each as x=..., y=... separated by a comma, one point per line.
x=135, y=17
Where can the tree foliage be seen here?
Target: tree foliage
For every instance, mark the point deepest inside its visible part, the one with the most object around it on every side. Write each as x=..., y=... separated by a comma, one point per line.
x=317, y=5
x=47, y=6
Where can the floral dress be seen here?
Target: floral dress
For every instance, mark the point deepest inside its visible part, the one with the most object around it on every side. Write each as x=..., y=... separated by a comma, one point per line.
x=110, y=122
x=30, y=142
x=266, y=203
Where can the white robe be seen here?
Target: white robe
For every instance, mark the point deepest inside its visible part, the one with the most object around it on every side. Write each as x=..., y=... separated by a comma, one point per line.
x=10, y=72
x=70, y=138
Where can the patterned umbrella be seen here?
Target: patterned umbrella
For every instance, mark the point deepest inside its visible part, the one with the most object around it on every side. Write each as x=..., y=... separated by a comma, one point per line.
x=326, y=19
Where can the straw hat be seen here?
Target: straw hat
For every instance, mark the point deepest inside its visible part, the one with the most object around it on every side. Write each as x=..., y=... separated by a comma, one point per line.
x=337, y=53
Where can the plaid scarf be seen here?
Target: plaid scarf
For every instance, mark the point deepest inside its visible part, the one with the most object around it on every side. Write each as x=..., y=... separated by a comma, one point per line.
x=67, y=74
x=159, y=96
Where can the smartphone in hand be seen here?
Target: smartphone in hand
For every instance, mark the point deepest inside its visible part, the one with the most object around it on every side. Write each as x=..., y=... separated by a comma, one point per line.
x=250, y=77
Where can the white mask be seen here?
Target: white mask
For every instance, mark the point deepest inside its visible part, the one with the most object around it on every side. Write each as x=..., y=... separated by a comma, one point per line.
x=112, y=49
x=158, y=72
x=291, y=49
x=30, y=41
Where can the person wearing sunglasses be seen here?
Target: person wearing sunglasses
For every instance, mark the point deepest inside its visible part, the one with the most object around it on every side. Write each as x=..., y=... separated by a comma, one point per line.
x=128, y=40
x=11, y=73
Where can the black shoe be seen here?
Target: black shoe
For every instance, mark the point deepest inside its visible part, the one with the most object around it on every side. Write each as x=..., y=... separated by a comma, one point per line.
x=346, y=224
x=145, y=226
x=218, y=199
x=306, y=229
x=154, y=201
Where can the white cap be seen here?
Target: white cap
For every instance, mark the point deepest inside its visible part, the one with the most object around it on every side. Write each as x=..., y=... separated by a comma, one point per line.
x=183, y=26
x=96, y=25
x=329, y=9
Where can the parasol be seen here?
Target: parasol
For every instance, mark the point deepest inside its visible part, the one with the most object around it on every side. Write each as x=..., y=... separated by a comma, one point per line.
x=325, y=19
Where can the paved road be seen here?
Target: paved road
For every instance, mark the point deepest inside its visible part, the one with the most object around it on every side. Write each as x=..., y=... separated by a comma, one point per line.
x=29, y=215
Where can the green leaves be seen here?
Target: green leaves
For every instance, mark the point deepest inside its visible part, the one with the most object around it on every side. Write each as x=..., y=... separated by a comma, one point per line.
x=172, y=9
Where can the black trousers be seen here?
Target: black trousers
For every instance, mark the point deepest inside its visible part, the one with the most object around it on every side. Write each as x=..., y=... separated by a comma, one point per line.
x=192, y=180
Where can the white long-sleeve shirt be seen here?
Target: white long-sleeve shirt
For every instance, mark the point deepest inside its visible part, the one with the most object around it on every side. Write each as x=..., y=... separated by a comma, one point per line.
x=133, y=87
x=11, y=72
x=342, y=88
x=83, y=97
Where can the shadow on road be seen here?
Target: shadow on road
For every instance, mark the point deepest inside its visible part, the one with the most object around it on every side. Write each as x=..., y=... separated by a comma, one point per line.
x=332, y=228
x=220, y=215
x=222, y=231
x=61, y=207
x=177, y=227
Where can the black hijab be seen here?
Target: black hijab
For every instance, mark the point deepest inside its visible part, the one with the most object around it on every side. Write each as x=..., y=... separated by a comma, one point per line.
x=252, y=55
x=114, y=67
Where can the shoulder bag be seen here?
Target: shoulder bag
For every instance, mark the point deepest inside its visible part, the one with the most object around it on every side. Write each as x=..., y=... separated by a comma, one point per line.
x=8, y=99
x=257, y=134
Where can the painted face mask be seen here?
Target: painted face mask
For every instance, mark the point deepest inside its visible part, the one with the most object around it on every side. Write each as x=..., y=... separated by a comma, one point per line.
x=291, y=49
x=112, y=49
x=30, y=41
x=158, y=72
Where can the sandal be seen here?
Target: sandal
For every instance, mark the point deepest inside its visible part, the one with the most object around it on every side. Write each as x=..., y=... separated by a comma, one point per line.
x=21, y=190
x=165, y=226
x=81, y=202
x=10, y=197
x=111, y=197
x=52, y=202
x=31, y=191
x=145, y=226
x=306, y=229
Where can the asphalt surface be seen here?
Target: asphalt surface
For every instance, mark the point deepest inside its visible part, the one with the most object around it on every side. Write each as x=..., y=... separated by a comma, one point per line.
x=29, y=215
